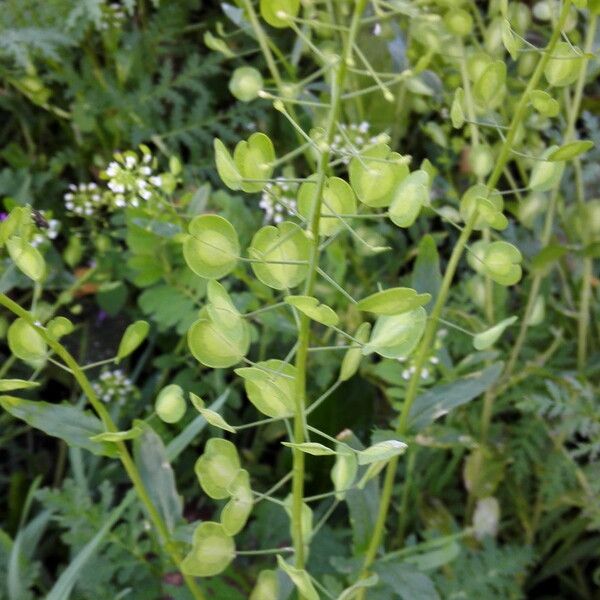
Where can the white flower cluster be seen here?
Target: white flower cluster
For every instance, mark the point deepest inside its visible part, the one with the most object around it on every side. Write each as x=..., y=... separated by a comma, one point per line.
x=131, y=179
x=351, y=139
x=84, y=199
x=113, y=16
x=114, y=386
x=43, y=234
x=429, y=370
x=278, y=200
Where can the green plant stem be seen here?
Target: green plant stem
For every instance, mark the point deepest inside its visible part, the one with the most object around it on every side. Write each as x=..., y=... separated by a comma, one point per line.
x=432, y=323
x=109, y=424
x=299, y=429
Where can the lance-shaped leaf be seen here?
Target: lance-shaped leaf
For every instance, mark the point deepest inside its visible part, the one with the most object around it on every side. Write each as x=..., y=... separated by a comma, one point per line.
x=408, y=198
x=313, y=309
x=270, y=386
x=279, y=13
x=353, y=356
x=254, y=159
x=338, y=199
x=313, y=448
x=398, y=335
x=381, y=451
x=118, y=436
x=488, y=204
x=489, y=337
x=375, y=175
x=9, y=385
x=25, y=342
x=544, y=103
x=170, y=404
x=134, y=335
x=350, y=592
x=226, y=167
x=344, y=470
x=27, y=258
x=212, y=551
x=216, y=345
x=212, y=417
x=546, y=173
x=301, y=580
x=501, y=261
x=393, y=301
x=266, y=587
x=571, y=150
x=212, y=248
x=236, y=512
x=283, y=244
x=217, y=467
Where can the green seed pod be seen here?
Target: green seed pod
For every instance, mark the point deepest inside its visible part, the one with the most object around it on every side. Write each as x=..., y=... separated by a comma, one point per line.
x=25, y=342
x=563, y=67
x=245, y=83
x=74, y=251
x=408, y=199
x=493, y=36
x=545, y=173
x=477, y=64
x=217, y=468
x=481, y=160
x=279, y=13
x=526, y=64
x=344, y=470
x=458, y=22
x=27, y=258
x=501, y=262
x=544, y=103
x=531, y=208
x=170, y=404
x=538, y=313
x=486, y=339
x=59, y=327
x=490, y=87
x=212, y=551
x=489, y=205
x=266, y=587
x=134, y=335
x=519, y=16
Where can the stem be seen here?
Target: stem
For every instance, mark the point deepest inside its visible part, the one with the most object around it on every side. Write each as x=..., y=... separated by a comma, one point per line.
x=299, y=429
x=124, y=455
x=432, y=323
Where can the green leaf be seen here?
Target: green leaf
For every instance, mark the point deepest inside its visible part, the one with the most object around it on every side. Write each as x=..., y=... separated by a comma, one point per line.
x=350, y=592
x=133, y=337
x=543, y=261
x=337, y=199
x=63, y=421
x=300, y=578
x=408, y=198
x=212, y=248
x=382, y=451
x=212, y=551
x=270, y=386
x=563, y=67
x=157, y=475
x=217, y=44
x=217, y=467
x=571, y=150
x=27, y=258
x=278, y=13
x=405, y=582
x=313, y=448
x=313, y=309
x=212, y=417
x=393, y=301
x=398, y=335
x=284, y=243
x=266, y=587
x=487, y=338
x=426, y=276
x=25, y=342
x=376, y=173
x=441, y=399
x=9, y=385
x=236, y=512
